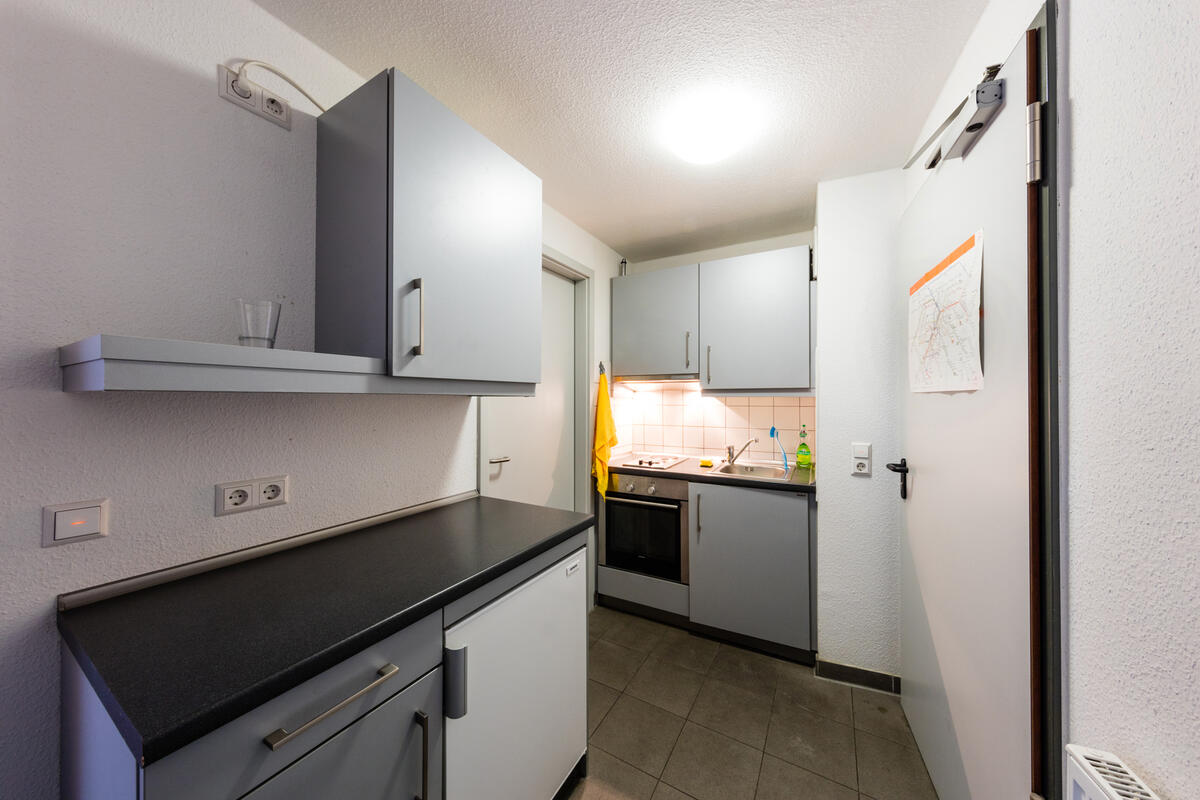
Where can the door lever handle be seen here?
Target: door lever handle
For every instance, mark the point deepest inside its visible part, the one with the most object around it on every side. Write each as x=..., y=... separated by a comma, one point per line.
x=902, y=469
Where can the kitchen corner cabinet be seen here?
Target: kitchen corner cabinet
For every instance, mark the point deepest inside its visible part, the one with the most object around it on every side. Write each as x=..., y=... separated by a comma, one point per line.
x=754, y=321
x=429, y=241
x=656, y=323
x=749, y=563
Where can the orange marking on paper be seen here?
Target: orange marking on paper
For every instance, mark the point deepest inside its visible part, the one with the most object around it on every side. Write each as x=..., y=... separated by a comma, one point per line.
x=945, y=262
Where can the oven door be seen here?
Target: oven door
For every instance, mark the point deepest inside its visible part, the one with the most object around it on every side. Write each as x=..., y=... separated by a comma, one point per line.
x=643, y=536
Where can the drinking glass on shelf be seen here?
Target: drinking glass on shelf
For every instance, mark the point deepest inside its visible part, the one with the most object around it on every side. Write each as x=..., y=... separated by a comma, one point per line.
x=260, y=320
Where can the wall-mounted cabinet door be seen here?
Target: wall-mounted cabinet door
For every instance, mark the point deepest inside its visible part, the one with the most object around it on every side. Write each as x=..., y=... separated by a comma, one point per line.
x=754, y=321
x=749, y=564
x=655, y=323
x=466, y=249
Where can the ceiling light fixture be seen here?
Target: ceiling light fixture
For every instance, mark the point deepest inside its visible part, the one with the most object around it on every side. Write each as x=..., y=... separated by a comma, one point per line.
x=710, y=124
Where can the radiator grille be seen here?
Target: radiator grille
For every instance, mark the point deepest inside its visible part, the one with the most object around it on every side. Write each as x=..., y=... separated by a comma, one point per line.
x=1107, y=777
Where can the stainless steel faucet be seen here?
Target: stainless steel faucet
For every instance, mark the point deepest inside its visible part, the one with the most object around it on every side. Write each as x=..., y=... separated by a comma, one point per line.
x=731, y=457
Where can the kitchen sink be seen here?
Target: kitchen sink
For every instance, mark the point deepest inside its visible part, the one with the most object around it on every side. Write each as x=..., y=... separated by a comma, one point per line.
x=769, y=472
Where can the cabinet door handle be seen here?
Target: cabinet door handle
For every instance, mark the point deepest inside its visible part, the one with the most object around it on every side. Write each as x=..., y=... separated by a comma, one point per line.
x=687, y=350
x=423, y=720
x=710, y=363
x=277, y=739
x=419, y=347
x=500, y=460
x=698, y=517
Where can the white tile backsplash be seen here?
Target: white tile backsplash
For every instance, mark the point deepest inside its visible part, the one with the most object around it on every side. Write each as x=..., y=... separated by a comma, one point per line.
x=681, y=420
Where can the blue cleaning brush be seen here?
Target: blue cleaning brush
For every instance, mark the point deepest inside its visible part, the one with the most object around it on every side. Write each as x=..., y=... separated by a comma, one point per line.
x=775, y=436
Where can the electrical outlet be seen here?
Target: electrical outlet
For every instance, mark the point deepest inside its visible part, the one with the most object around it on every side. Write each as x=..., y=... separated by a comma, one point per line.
x=253, y=97
x=272, y=491
x=237, y=496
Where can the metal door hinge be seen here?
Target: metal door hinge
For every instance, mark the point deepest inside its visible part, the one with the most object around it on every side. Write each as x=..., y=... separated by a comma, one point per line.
x=1033, y=142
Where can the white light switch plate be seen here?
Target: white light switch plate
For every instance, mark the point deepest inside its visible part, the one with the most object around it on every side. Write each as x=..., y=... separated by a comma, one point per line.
x=59, y=521
x=860, y=458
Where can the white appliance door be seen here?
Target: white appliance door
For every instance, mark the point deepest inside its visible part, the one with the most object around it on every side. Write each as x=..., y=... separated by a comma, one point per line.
x=965, y=551
x=526, y=690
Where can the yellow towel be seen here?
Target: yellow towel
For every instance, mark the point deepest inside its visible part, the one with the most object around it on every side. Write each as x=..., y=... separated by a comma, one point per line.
x=606, y=437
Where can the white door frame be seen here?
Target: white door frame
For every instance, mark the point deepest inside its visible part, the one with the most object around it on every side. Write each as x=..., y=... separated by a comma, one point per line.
x=583, y=279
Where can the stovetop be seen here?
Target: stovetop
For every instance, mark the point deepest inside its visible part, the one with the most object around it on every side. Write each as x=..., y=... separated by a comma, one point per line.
x=653, y=460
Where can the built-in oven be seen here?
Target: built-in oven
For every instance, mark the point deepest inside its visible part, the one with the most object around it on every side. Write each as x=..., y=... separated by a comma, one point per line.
x=644, y=527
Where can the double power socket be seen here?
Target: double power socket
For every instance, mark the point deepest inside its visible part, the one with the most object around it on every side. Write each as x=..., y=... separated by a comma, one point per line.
x=253, y=97
x=237, y=496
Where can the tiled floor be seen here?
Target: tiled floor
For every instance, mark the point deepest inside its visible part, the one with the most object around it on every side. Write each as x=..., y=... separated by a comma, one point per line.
x=672, y=716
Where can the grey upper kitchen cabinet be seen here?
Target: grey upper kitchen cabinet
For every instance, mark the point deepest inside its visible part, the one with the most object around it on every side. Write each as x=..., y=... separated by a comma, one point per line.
x=749, y=562
x=656, y=323
x=429, y=241
x=754, y=321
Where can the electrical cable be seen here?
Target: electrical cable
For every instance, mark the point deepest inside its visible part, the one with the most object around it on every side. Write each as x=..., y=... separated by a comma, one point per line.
x=241, y=76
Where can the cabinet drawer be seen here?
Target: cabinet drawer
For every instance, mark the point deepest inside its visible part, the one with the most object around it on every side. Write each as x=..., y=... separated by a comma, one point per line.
x=390, y=753
x=234, y=758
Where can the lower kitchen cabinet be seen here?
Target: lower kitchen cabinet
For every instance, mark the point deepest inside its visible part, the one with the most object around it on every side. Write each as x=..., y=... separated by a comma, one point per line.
x=394, y=751
x=518, y=724
x=749, y=563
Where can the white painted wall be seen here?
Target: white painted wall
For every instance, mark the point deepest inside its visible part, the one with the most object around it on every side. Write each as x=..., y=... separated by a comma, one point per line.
x=729, y=251
x=1133, y=561
x=859, y=517
x=136, y=201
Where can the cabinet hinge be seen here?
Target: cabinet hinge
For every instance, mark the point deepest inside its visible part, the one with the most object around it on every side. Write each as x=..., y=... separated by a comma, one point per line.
x=1033, y=142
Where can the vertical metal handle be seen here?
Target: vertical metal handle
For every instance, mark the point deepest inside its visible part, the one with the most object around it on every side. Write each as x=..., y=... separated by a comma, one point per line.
x=710, y=363
x=423, y=720
x=698, y=515
x=419, y=347
x=687, y=349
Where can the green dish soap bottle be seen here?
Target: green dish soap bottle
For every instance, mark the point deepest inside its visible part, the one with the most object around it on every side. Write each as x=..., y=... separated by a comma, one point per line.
x=803, y=454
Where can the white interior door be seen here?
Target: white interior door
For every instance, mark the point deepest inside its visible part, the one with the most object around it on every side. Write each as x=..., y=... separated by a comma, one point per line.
x=965, y=552
x=527, y=444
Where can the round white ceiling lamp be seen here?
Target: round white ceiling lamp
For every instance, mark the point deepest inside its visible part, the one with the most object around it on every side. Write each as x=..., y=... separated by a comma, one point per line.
x=710, y=124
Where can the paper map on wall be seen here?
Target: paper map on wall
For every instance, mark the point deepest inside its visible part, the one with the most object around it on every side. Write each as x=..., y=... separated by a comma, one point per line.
x=943, y=323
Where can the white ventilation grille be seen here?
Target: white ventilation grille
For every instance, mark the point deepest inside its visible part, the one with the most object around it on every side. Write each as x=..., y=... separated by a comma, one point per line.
x=1097, y=775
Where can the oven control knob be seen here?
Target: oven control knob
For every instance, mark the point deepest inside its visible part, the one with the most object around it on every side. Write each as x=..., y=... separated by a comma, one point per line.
x=652, y=489
x=629, y=487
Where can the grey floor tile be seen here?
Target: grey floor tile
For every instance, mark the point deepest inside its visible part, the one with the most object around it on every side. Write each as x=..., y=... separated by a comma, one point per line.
x=600, y=699
x=751, y=671
x=665, y=792
x=891, y=771
x=880, y=714
x=733, y=711
x=815, y=743
x=636, y=633
x=779, y=780
x=800, y=686
x=666, y=685
x=693, y=652
x=612, y=664
x=601, y=619
x=709, y=766
x=639, y=734
x=609, y=778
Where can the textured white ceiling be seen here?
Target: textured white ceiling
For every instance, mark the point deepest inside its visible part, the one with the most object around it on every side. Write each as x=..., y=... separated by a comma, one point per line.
x=572, y=88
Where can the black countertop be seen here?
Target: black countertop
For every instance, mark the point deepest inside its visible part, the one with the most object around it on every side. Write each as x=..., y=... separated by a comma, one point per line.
x=176, y=661
x=804, y=480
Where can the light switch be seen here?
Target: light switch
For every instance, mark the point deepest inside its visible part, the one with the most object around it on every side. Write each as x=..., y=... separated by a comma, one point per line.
x=860, y=458
x=74, y=522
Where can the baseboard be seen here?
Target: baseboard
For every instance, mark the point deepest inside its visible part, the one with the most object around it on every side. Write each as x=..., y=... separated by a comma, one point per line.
x=880, y=681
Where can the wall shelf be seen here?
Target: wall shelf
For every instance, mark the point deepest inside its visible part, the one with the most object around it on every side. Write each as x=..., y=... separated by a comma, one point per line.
x=105, y=363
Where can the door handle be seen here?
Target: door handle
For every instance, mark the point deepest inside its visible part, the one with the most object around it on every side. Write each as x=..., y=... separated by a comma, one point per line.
x=419, y=347
x=454, y=683
x=710, y=363
x=423, y=720
x=902, y=469
x=278, y=738
x=687, y=349
x=697, y=517
x=500, y=460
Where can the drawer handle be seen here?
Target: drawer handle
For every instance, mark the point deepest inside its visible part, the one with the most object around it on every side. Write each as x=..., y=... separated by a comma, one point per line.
x=423, y=721
x=277, y=739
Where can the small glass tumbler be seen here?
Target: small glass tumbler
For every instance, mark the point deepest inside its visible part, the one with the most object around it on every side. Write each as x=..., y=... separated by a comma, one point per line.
x=260, y=320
